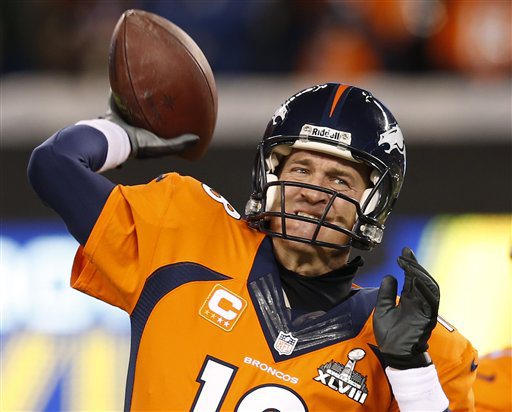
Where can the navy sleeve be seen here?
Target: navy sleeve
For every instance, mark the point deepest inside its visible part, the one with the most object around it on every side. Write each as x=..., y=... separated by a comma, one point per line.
x=62, y=173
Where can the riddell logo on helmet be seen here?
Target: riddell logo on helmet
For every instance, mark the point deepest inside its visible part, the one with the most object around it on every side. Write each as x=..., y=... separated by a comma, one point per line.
x=326, y=132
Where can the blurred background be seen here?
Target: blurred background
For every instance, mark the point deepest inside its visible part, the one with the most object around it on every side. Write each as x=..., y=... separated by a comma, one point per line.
x=443, y=67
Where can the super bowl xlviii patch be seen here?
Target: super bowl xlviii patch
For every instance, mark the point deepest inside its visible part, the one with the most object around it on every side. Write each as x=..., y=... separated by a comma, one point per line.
x=285, y=343
x=344, y=378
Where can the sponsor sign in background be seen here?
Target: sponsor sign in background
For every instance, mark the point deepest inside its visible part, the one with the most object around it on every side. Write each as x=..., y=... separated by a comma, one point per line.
x=61, y=350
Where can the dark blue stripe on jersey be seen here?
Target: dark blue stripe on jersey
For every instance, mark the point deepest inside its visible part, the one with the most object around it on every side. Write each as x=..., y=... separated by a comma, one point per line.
x=61, y=171
x=159, y=284
x=348, y=317
x=265, y=261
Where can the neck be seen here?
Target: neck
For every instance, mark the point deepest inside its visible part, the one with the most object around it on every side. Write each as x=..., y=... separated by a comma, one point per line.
x=308, y=260
x=317, y=295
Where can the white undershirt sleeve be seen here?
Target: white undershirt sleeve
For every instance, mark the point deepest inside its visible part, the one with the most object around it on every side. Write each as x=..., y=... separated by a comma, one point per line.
x=418, y=389
x=119, y=147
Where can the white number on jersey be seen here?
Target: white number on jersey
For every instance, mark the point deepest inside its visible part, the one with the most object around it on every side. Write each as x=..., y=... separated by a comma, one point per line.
x=230, y=210
x=216, y=377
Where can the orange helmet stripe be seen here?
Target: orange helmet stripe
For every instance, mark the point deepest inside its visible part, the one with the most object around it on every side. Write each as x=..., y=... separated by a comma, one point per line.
x=339, y=92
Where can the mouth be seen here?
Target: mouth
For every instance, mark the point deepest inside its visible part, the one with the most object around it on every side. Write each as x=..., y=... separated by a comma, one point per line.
x=316, y=217
x=304, y=214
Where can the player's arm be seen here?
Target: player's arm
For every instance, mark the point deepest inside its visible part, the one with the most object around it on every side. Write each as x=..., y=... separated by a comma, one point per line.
x=402, y=331
x=63, y=170
x=62, y=173
x=456, y=362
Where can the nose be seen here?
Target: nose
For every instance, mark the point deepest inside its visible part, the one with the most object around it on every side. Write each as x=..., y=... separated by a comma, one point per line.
x=313, y=196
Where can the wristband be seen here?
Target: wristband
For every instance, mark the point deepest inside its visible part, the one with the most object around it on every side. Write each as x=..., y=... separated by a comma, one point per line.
x=417, y=389
x=401, y=362
x=119, y=147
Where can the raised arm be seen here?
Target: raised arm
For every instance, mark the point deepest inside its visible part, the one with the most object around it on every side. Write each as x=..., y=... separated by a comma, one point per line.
x=402, y=331
x=63, y=170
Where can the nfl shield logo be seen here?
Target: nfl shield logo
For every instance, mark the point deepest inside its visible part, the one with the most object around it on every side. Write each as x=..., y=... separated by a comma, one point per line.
x=285, y=343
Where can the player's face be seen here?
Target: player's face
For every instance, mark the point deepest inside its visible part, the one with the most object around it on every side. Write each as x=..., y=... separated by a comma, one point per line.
x=344, y=176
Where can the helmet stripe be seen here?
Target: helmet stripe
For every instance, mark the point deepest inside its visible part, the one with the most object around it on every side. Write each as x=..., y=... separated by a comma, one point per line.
x=339, y=91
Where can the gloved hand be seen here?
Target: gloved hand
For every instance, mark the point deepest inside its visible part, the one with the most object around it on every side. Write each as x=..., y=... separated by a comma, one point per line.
x=402, y=330
x=145, y=143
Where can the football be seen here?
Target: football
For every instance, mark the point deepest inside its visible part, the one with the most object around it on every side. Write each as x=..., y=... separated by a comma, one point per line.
x=161, y=80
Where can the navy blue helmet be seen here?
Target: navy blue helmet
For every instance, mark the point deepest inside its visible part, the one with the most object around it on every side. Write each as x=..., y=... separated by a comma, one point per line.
x=343, y=121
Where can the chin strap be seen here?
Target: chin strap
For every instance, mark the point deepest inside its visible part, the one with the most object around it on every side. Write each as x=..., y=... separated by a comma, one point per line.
x=271, y=192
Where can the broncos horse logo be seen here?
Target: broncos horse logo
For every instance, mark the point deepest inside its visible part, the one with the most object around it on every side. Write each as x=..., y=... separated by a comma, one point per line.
x=393, y=138
x=282, y=111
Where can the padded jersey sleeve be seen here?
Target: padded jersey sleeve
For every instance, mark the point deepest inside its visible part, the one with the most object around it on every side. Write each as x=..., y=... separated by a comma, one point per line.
x=117, y=256
x=455, y=360
x=146, y=227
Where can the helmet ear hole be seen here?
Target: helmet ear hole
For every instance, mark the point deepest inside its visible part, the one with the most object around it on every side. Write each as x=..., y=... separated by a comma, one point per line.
x=271, y=192
x=374, y=201
x=372, y=204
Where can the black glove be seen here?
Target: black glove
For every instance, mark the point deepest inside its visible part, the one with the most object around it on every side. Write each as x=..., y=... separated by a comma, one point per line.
x=402, y=330
x=146, y=144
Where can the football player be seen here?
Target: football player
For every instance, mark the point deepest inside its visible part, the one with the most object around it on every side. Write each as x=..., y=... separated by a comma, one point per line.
x=259, y=312
x=493, y=384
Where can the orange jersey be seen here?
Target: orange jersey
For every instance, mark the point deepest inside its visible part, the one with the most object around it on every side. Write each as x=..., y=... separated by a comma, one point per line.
x=493, y=384
x=210, y=329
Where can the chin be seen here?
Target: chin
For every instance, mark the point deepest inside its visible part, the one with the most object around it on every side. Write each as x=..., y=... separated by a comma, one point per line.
x=300, y=229
x=297, y=247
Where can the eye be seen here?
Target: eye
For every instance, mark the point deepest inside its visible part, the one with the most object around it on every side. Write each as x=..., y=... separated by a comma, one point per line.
x=339, y=182
x=300, y=170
